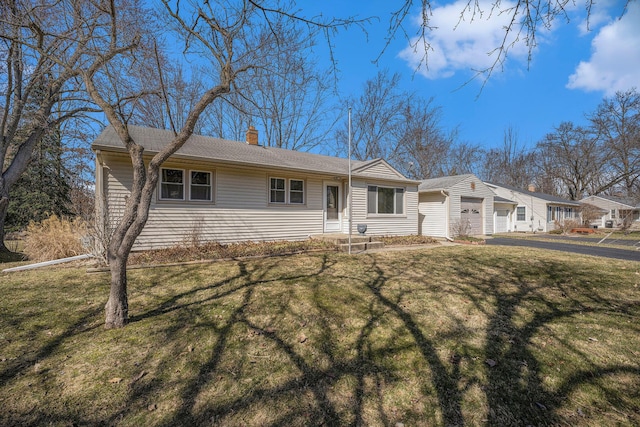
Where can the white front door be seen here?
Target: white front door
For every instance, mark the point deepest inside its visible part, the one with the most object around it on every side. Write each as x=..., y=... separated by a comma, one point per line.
x=332, y=208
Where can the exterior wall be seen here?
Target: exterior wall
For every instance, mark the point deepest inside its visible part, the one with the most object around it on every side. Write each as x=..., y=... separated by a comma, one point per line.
x=432, y=214
x=381, y=170
x=471, y=187
x=535, y=211
x=240, y=209
x=621, y=210
x=381, y=225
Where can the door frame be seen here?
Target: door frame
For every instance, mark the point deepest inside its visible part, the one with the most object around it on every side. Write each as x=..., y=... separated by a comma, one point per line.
x=331, y=226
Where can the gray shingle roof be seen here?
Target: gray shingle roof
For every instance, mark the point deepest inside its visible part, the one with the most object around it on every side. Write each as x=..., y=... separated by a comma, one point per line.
x=441, y=183
x=499, y=199
x=234, y=152
x=630, y=203
x=543, y=196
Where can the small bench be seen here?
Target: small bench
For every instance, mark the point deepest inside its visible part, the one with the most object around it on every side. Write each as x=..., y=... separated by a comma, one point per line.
x=583, y=230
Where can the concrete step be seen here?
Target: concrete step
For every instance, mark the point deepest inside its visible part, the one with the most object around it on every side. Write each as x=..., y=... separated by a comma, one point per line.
x=343, y=238
x=361, y=246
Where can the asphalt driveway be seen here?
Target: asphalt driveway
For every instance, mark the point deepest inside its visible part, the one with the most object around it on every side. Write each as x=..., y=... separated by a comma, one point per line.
x=628, y=255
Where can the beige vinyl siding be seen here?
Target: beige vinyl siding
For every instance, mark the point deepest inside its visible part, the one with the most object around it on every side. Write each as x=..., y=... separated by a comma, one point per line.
x=400, y=225
x=240, y=210
x=534, y=207
x=470, y=187
x=432, y=210
x=380, y=171
x=479, y=190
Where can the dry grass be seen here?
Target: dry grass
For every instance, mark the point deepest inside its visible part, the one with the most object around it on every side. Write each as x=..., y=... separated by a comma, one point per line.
x=54, y=238
x=214, y=250
x=446, y=336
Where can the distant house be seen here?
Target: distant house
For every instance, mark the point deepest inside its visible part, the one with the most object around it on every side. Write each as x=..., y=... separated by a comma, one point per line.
x=228, y=191
x=534, y=211
x=445, y=204
x=620, y=211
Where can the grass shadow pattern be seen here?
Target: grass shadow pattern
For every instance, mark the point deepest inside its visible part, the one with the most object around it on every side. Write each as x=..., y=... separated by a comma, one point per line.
x=457, y=336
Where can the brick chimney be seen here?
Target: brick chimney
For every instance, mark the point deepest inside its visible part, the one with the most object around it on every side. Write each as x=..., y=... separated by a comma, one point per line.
x=252, y=136
x=532, y=187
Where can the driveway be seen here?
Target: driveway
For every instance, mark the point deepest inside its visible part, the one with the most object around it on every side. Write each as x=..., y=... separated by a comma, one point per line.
x=627, y=255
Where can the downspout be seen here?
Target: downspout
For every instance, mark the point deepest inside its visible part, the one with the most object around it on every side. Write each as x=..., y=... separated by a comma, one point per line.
x=447, y=208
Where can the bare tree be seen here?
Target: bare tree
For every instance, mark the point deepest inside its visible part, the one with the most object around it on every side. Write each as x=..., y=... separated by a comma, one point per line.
x=42, y=58
x=512, y=163
x=525, y=19
x=378, y=115
x=617, y=123
x=289, y=100
x=425, y=148
x=234, y=37
x=573, y=158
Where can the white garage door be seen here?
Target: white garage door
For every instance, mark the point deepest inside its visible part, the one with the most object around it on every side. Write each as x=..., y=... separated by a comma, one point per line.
x=502, y=220
x=471, y=211
x=432, y=210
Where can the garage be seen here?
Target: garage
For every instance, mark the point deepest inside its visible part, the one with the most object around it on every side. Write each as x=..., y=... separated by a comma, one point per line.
x=471, y=212
x=447, y=202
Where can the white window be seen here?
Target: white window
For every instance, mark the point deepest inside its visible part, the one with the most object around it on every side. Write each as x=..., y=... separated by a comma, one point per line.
x=277, y=192
x=172, y=184
x=385, y=200
x=521, y=214
x=296, y=191
x=200, y=186
x=286, y=191
x=613, y=213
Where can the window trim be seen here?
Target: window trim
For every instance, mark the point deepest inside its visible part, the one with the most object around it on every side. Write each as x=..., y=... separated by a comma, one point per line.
x=161, y=182
x=210, y=186
x=287, y=191
x=284, y=190
x=396, y=191
x=296, y=191
x=524, y=213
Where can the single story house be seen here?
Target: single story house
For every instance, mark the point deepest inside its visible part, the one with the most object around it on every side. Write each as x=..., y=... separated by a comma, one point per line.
x=446, y=204
x=226, y=191
x=621, y=211
x=534, y=211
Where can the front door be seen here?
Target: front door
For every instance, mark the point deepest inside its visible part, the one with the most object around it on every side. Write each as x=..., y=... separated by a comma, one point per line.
x=332, y=221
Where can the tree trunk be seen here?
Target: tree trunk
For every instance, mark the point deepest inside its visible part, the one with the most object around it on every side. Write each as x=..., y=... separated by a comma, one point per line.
x=117, y=308
x=4, y=207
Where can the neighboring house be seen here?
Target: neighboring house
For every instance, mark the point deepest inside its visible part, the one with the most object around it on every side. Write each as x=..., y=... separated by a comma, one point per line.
x=620, y=211
x=534, y=211
x=445, y=204
x=227, y=191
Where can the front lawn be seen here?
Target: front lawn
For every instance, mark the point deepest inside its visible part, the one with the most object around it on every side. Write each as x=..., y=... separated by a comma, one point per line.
x=473, y=335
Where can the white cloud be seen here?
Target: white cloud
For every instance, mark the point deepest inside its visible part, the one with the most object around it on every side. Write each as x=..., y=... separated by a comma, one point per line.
x=464, y=44
x=615, y=57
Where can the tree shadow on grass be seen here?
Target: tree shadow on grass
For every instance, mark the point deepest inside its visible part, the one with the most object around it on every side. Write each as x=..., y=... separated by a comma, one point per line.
x=329, y=382
x=512, y=379
x=526, y=306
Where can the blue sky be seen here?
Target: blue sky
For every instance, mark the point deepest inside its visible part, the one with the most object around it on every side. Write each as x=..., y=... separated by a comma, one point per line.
x=570, y=72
